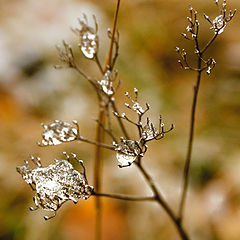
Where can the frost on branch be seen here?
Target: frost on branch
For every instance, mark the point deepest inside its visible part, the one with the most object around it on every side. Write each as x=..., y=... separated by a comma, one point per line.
x=127, y=152
x=55, y=184
x=135, y=106
x=88, y=38
x=149, y=132
x=58, y=132
x=219, y=23
x=106, y=83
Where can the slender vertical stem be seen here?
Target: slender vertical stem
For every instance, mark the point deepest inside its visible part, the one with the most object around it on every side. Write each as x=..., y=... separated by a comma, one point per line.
x=100, y=133
x=190, y=141
x=109, y=56
x=98, y=171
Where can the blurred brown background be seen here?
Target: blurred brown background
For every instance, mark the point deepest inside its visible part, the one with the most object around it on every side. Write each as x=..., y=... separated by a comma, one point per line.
x=32, y=91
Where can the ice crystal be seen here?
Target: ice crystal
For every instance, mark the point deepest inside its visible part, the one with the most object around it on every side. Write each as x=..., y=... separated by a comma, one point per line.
x=88, y=38
x=57, y=132
x=106, y=83
x=135, y=105
x=88, y=43
x=127, y=152
x=56, y=183
x=219, y=24
x=149, y=132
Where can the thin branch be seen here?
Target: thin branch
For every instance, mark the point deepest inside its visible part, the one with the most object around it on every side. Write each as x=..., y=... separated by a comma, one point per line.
x=109, y=132
x=124, y=197
x=192, y=124
x=109, y=56
x=209, y=43
x=91, y=81
x=98, y=163
x=162, y=202
x=190, y=143
x=81, y=72
x=120, y=120
x=98, y=63
x=116, y=50
x=96, y=143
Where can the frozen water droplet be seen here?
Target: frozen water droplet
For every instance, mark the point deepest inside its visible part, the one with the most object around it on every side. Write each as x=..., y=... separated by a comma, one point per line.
x=188, y=28
x=208, y=71
x=57, y=132
x=136, y=107
x=196, y=51
x=219, y=24
x=116, y=114
x=56, y=184
x=127, y=152
x=88, y=42
x=125, y=159
x=106, y=83
x=149, y=132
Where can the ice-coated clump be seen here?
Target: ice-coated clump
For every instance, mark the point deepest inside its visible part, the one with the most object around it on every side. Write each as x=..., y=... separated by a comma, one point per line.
x=88, y=42
x=88, y=38
x=57, y=132
x=55, y=184
x=137, y=108
x=149, y=132
x=219, y=24
x=107, y=83
x=127, y=152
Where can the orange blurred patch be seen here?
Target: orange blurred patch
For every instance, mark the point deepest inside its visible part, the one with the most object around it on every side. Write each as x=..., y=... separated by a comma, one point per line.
x=9, y=107
x=79, y=222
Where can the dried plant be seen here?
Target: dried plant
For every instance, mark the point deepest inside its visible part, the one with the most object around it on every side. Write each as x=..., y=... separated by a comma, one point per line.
x=60, y=182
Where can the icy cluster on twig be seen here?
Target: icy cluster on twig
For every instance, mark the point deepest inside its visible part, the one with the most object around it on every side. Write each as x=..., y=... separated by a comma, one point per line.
x=58, y=132
x=135, y=106
x=149, y=132
x=56, y=183
x=88, y=38
x=219, y=23
x=127, y=152
x=106, y=83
